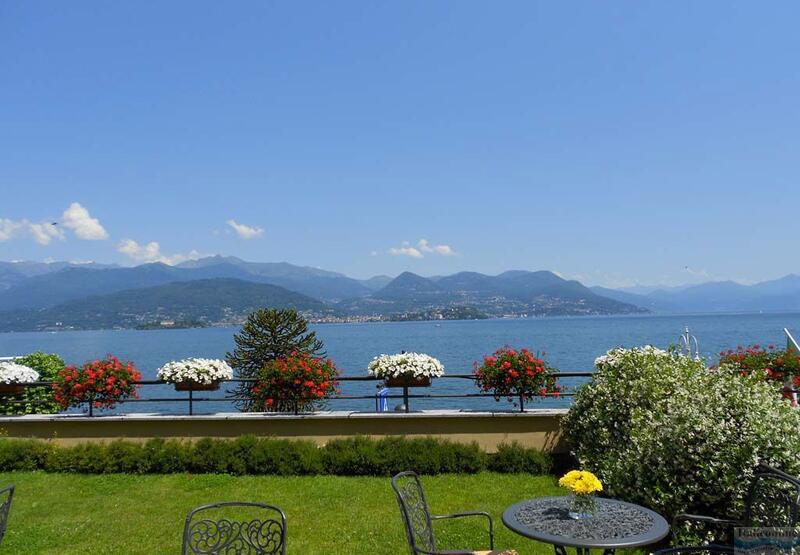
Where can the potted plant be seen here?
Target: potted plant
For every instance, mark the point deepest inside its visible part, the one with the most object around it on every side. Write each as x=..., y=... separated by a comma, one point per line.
x=294, y=383
x=195, y=374
x=13, y=376
x=406, y=369
x=516, y=375
x=781, y=366
x=582, y=485
x=101, y=383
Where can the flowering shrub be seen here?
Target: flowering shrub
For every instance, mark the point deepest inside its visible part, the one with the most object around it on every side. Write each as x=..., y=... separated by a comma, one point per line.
x=406, y=365
x=198, y=370
x=103, y=383
x=294, y=383
x=11, y=372
x=662, y=430
x=515, y=374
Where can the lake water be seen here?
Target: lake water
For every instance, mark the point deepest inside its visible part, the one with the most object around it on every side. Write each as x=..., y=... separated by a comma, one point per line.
x=570, y=344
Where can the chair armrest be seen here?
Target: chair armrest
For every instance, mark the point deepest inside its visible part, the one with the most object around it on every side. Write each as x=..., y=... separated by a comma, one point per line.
x=483, y=514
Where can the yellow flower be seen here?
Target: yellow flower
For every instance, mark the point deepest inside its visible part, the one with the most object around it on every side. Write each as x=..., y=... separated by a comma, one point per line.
x=568, y=480
x=581, y=482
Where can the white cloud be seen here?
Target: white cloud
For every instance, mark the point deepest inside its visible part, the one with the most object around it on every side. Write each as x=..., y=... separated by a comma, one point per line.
x=151, y=252
x=78, y=219
x=700, y=273
x=45, y=232
x=10, y=228
x=245, y=231
x=444, y=250
x=423, y=246
x=405, y=251
x=42, y=233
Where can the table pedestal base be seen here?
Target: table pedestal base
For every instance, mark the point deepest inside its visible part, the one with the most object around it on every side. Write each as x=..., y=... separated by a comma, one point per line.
x=561, y=550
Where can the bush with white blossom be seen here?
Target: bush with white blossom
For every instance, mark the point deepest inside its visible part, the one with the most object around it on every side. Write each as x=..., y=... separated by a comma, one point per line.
x=197, y=370
x=406, y=365
x=11, y=372
x=661, y=429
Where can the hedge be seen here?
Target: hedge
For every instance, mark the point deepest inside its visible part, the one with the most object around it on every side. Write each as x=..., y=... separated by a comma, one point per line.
x=249, y=455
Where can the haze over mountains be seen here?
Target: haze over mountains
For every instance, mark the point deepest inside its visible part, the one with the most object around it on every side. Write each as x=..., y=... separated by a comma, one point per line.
x=219, y=289
x=779, y=295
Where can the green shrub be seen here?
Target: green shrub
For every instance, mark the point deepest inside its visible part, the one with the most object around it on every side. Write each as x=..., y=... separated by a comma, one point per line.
x=165, y=456
x=662, y=430
x=514, y=458
x=37, y=400
x=125, y=457
x=25, y=455
x=358, y=456
x=430, y=456
x=249, y=455
x=285, y=457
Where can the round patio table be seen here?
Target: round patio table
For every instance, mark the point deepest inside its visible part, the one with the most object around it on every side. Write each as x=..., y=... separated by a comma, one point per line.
x=616, y=525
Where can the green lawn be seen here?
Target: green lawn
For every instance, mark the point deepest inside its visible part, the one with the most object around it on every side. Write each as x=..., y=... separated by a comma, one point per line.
x=327, y=515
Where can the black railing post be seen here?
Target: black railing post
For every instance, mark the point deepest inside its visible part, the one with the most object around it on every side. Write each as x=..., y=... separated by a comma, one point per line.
x=521, y=402
x=191, y=402
x=405, y=397
x=91, y=405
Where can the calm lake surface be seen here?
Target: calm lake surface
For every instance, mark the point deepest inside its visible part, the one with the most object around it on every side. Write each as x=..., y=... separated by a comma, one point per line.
x=569, y=344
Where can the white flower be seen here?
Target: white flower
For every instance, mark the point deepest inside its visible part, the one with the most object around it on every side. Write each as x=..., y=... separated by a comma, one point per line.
x=198, y=370
x=11, y=372
x=615, y=357
x=418, y=365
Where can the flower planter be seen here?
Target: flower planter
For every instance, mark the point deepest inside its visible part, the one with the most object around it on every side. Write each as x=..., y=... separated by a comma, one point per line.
x=408, y=381
x=11, y=388
x=191, y=385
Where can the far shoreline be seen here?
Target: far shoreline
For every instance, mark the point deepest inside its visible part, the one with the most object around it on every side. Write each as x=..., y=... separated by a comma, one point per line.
x=652, y=315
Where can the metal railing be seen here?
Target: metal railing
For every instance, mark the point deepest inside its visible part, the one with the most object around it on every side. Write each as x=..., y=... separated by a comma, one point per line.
x=407, y=395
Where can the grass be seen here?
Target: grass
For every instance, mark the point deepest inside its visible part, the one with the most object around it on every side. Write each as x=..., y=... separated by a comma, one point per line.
x=70, y=514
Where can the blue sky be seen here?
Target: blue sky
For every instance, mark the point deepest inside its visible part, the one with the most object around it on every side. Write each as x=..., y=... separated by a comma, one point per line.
x=619, y=143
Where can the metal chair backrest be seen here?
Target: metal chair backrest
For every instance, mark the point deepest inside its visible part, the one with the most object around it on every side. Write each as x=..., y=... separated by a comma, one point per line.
x=415, y=513
x=6, y=495
x=212, y=530
x=773, y=499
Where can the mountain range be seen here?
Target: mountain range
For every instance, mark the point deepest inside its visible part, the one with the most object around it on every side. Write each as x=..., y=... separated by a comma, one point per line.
x=204, y=301
x=219, y=289
x=780, y=295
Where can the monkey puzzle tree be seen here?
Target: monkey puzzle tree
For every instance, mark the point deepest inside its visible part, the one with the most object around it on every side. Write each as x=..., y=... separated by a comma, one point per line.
x=268, y=335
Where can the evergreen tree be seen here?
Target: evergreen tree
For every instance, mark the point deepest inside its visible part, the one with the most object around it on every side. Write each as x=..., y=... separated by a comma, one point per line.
x=268, y=334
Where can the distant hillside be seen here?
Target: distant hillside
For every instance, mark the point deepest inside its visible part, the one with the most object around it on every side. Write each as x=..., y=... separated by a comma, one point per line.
x=780, y=295
x=515, y=292
x=650, y=303
x=71, y=282
x=14, y=273
x=208, y=301
x=376, y=282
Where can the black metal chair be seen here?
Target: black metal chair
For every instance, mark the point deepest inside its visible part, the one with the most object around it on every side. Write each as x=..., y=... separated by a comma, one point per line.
x=208, y=532
x=418, y=520
x=6, y=495
x=772, y=501
x=695, y=550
